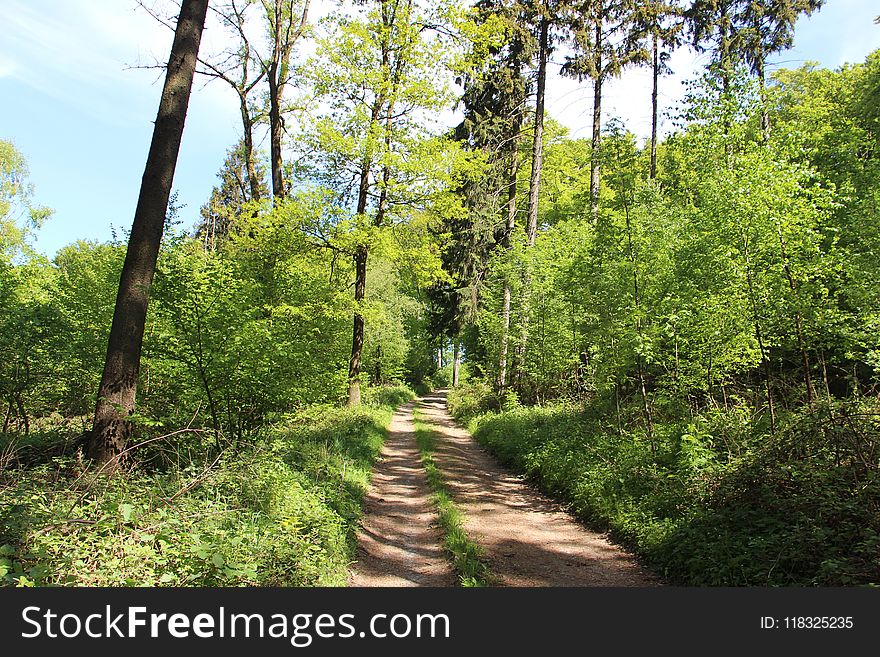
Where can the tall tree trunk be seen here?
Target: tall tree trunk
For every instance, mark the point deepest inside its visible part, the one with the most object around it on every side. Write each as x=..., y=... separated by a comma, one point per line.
x=456, y=362
x=117, y=392
x=798, y=319
x=275, y=131
x=501, y=382
x=595, y=160
x=534, y=186
x=765, y=112
x=654, y=109
x=765, y=359
x=360, y=287
x=248, y=129
x=284, y=37
x=637, y=299
x=538, y=135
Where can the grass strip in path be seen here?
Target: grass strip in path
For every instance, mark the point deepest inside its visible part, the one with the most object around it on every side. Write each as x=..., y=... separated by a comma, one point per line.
x=468, y=558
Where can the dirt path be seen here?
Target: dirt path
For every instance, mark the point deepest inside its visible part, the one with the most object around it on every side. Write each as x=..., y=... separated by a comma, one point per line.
x=528, y=539
x=400, y=543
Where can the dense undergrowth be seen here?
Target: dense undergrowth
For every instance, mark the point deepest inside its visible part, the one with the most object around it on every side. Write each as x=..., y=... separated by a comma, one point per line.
x=718, y=500
x=280, y=512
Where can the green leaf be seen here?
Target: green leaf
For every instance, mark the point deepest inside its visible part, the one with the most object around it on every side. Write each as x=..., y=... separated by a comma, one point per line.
x=126, y=511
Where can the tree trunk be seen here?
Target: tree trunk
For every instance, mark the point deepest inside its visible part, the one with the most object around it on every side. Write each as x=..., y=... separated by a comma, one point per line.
x=22, y=414
x=538, y=135
x=116, y=394
x=654, y=111
x=798, y=318
x=595, y=166
x=377, y=380
x=275, y=130
x=501, y=383
x=456, y=363
x=508, y=233
x=596, y=144
x=284, y=37
x=765, y=112
x=357, y=340
x=534, y=186
x=248, y=128
x=765, y=359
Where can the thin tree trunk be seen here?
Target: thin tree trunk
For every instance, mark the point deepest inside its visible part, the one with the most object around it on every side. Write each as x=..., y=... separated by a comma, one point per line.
x=456, y=363
x=278, y=70
x=275, y=130
x=654, y=109
x=7, y=416
x=508, y=233
x=534, y=187
x=117, y=392
x=798, y=319
x=825, y=374
x=765, y=359
x=377, y=380
x=765, y=111
x=637, y=298
x=596, y=144
x=22, y=413
x=538, y=135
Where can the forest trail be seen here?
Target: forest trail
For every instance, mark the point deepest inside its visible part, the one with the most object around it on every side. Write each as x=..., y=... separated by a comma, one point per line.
x=527, y=539
x=400, y=542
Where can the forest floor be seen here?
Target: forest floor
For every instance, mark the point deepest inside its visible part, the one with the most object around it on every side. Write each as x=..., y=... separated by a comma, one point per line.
x=527, y=539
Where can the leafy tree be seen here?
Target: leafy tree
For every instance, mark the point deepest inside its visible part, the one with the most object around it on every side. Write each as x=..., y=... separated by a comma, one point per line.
x=378, y=74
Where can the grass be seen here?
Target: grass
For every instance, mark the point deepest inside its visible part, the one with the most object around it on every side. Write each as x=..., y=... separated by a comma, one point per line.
x=283, y=512
x=467, y=556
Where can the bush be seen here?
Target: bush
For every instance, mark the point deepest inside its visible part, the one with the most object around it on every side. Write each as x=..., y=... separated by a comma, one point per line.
x=471, y=399
x=798, y=508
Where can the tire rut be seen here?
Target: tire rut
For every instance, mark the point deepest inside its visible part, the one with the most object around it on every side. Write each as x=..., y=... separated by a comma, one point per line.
x=528, y=539
x=400, y=542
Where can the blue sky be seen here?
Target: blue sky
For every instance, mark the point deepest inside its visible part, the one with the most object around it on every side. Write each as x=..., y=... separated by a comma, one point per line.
x=72, y=102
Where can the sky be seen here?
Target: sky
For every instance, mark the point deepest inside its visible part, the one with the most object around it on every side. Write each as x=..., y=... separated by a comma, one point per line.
x=75, y=103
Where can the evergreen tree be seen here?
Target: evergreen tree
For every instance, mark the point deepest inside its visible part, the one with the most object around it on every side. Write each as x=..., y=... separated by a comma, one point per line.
x=236, y=189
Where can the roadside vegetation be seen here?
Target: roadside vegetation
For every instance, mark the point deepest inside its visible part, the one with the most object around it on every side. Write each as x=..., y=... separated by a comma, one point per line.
x=280, y=512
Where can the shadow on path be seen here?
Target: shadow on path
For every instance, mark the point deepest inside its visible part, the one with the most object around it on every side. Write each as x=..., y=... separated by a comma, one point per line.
x=400, y=543
x=528, y=539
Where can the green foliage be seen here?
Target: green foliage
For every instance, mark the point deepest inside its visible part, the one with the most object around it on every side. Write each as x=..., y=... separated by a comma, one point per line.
x=720, y=502
x=283, y=513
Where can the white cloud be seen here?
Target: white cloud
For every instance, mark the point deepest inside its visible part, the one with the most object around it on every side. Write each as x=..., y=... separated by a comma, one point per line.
x=7, y=67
